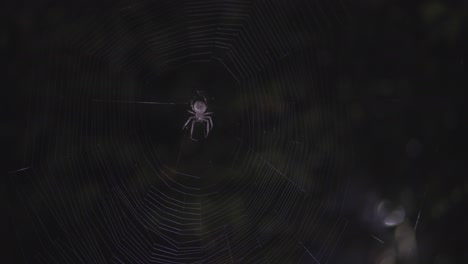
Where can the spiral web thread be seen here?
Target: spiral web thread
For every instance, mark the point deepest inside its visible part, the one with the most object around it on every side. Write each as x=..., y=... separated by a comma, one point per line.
x=104, y=194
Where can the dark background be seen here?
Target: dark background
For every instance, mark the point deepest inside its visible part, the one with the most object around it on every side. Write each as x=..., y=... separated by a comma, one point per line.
x=387, y=79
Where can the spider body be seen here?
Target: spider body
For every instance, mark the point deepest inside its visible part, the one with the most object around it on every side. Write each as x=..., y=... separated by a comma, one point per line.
x=199, y=116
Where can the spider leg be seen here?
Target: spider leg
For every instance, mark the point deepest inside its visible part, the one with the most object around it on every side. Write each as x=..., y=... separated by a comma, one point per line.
x=191, y=131
x=190, y=118
x=207, y=127
x=192, y=112
x=208, y=113
x=211, y=121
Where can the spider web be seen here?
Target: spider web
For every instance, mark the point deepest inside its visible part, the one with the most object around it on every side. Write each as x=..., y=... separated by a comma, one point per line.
x=113, y=178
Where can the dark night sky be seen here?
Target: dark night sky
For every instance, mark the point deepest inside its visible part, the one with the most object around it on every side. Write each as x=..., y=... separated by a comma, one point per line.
x=322, y=111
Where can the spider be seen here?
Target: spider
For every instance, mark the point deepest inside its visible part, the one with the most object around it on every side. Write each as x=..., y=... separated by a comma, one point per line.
x=199, y=116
